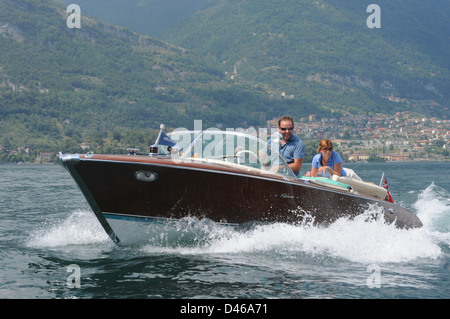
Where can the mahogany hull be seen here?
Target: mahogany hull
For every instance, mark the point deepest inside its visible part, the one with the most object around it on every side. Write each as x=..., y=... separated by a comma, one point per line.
x=151, y=187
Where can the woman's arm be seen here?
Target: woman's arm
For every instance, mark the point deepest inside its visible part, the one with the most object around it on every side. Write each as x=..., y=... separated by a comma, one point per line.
x=337, y=169
x=313, y=172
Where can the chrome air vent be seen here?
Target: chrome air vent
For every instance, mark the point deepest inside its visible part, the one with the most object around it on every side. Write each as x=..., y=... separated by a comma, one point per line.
x=145, y=176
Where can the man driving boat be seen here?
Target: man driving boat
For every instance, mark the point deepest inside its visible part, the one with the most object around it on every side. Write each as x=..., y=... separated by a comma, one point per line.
x=291, y=148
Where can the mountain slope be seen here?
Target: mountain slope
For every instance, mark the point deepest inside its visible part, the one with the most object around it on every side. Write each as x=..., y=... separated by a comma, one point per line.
x=57, y=82
x=147, y=17
x=324, y=52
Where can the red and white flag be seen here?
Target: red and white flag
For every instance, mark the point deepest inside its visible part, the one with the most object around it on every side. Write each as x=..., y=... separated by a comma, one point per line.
x=384, y=184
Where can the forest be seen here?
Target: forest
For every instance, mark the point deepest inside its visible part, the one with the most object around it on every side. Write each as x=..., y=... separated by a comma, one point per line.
x=230, y=64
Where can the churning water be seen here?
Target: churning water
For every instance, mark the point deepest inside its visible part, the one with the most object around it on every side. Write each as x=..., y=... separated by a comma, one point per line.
x=49, y=235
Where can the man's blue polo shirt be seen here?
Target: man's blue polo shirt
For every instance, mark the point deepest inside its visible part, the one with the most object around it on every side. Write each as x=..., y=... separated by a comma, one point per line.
x=293, y=148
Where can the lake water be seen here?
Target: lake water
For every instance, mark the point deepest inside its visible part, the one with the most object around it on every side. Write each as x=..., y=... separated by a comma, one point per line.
x=51, y=246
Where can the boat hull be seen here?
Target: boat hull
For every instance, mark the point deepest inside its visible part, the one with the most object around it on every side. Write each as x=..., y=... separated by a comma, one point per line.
x=124, y=190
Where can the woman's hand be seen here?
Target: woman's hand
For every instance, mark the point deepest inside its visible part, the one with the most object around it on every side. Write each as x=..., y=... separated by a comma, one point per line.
x=322, y=170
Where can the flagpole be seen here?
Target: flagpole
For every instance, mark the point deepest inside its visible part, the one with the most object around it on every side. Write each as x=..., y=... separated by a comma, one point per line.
x=381, y=180
x=154, y=147
x=161, y=128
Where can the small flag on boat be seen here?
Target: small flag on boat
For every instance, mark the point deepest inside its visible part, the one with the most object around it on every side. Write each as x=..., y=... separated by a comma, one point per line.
x=162, y=139
x=384, y=184
x=166, y=140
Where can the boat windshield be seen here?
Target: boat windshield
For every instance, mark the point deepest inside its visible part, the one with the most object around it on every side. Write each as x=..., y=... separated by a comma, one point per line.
x=231, y=148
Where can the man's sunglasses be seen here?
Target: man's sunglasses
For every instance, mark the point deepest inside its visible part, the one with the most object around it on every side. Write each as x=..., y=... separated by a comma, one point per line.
x=328, y=149
x=286, y=128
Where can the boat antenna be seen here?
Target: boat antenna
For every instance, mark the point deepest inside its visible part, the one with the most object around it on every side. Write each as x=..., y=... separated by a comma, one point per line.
x=154, y=147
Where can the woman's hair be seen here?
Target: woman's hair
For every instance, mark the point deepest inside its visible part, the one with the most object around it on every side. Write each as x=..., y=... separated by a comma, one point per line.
x=324, y=143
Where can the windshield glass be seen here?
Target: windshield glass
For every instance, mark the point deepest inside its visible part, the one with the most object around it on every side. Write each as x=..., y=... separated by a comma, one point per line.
x=237, y=149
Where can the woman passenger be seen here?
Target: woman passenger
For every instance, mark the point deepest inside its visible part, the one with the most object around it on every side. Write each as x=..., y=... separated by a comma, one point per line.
x=327, y=162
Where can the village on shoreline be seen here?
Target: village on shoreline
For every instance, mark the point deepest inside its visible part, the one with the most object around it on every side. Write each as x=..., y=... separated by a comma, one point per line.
x=404, y=136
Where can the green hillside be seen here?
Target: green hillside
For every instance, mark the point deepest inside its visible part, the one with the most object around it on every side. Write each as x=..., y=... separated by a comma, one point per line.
x=147, y=17
x=59, y=83
x=231, y=64
x=320, y=52
x=324, y=52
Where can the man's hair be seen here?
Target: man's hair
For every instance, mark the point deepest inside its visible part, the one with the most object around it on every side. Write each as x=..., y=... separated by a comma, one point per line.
x=285, y=118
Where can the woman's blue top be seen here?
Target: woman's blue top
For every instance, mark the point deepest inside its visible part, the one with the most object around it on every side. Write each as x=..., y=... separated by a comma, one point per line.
x=335, y=158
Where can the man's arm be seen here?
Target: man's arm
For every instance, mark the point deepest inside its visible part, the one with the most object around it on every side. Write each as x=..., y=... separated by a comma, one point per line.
x=297, y=165
x=299, y=154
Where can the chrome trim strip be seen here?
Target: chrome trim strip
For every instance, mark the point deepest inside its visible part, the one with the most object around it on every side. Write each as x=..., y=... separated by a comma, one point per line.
x=140, y=218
